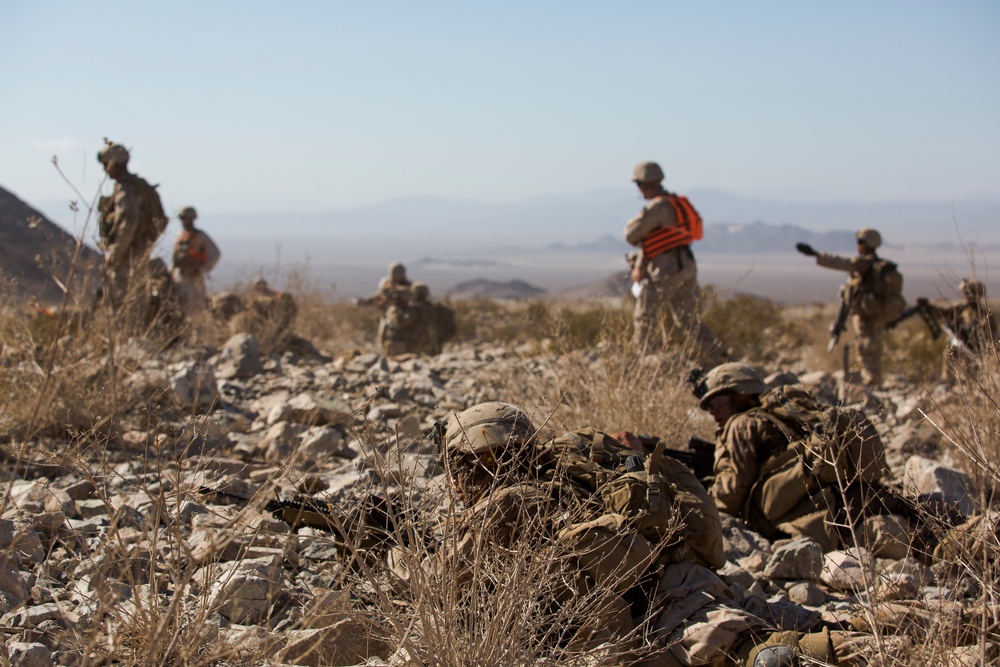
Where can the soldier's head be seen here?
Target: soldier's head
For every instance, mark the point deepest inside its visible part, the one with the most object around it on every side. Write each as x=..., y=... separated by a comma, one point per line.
x=729, y=389
x=397, y=273
x=260, y=286
x=972, y=290
x=868, y=240
x=648, y=177
x=187, y=216
x=113, y=157
x=421, y=292
x=486, y=444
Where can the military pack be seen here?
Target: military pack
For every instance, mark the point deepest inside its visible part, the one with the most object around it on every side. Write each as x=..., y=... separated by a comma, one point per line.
x=656, y=495
x=828, y=445
x=882, y=291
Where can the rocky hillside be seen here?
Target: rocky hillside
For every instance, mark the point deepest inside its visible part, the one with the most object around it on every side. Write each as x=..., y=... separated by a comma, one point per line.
x=37, y=252
x=125, y=538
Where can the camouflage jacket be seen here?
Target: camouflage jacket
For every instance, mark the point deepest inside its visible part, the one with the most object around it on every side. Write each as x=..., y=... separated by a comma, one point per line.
x=131, y=219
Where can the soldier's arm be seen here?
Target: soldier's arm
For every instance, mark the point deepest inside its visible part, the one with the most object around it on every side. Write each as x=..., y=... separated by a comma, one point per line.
x=656, y=214
x=736, y=464
x=839, y=262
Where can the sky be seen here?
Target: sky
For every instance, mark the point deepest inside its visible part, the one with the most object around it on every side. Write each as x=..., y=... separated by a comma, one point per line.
x=240, y=107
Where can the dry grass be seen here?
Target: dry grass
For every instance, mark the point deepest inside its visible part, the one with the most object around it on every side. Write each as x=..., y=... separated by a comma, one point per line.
x=65, y=401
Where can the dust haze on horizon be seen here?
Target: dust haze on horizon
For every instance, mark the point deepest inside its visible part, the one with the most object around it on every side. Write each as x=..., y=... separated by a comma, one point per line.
x=262, y=115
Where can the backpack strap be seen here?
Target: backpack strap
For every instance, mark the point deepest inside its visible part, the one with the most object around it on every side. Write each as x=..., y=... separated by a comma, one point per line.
x=654, y=478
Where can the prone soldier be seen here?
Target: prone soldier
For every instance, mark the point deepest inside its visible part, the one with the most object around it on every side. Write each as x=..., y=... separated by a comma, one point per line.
x=790, y=466
x=601, y=517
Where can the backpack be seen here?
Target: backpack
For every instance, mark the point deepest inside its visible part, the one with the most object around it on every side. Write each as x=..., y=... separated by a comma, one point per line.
x=649, y=492
x=444, y=320
x=882, y=291
x=828, y=445
x=152, y=218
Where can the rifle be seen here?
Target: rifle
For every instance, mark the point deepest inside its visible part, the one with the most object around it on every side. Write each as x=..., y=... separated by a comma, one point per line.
x=700, y=455
x=937, y=324
x=848, y=293
x=368, y=523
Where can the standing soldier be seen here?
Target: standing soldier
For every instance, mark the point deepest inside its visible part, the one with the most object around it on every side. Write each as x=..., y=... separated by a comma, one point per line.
x=195, y=254
x=130, y=221
x=664, y=268
x=873, y=294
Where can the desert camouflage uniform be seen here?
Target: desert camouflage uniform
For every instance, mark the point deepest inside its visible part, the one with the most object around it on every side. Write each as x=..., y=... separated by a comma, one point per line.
x=393, y=297
x=689, y=614
x=972, y=323
x=267, y=314
x=195, y=254
x=127, y=220
x=869, y=325
x=669, y=285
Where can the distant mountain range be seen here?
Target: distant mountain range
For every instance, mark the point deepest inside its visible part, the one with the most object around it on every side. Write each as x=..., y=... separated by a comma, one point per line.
x=559, y=241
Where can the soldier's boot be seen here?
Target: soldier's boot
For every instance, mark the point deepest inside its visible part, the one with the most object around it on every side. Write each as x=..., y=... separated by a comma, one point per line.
x=786, y=648
x=777, y=656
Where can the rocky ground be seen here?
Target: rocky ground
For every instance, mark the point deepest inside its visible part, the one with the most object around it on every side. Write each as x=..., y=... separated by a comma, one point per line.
x=119, y=550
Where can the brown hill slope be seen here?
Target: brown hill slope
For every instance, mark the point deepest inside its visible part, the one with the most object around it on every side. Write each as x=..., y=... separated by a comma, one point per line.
x=37, y=252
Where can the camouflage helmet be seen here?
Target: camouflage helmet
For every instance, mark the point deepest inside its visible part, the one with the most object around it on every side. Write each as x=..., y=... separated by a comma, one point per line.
x=647, y=172
x=260, y=285
x=731, y=378
x=112, y=152
x=870, y=237
x=397, y=272
x=485, y=427
x=421, y=292
x=972, y=289
x=187, y=212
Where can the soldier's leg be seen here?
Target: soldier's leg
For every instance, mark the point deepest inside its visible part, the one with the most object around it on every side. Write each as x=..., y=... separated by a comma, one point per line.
x=698, y=624
x=648, y=315
x=682, y=297
x=869, y=334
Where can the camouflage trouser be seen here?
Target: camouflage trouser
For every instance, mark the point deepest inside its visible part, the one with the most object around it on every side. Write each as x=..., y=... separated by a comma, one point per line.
x=194, y=296
x=699, y=624
x=675, y=294
x=868, y=332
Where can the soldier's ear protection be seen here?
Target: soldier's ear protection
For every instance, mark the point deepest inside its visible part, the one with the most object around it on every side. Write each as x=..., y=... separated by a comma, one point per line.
x=696, y=379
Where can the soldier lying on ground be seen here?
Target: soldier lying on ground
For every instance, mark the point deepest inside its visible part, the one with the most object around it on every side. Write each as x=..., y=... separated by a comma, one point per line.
x=612, y=532
x=790, y=466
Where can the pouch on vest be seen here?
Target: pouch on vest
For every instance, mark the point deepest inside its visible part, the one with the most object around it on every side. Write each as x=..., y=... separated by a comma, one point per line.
x=607, y=553
x=785, y=484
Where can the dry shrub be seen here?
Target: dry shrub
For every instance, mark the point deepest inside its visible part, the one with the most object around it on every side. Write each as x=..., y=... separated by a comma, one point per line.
x=755, y=328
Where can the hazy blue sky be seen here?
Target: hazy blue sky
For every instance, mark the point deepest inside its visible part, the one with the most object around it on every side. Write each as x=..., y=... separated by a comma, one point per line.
x=244, y=106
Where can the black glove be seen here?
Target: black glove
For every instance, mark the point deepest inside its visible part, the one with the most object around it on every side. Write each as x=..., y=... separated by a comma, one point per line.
x=805, y=249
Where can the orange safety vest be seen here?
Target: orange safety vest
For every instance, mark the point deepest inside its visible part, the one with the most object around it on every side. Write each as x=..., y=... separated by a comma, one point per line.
x=198, y=257
x=688, y=228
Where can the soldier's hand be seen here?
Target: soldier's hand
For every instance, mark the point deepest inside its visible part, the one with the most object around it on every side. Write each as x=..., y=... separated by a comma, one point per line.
x=805, y=249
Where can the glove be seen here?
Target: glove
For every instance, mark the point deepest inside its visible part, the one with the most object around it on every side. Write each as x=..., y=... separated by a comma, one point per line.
x=805, y=249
